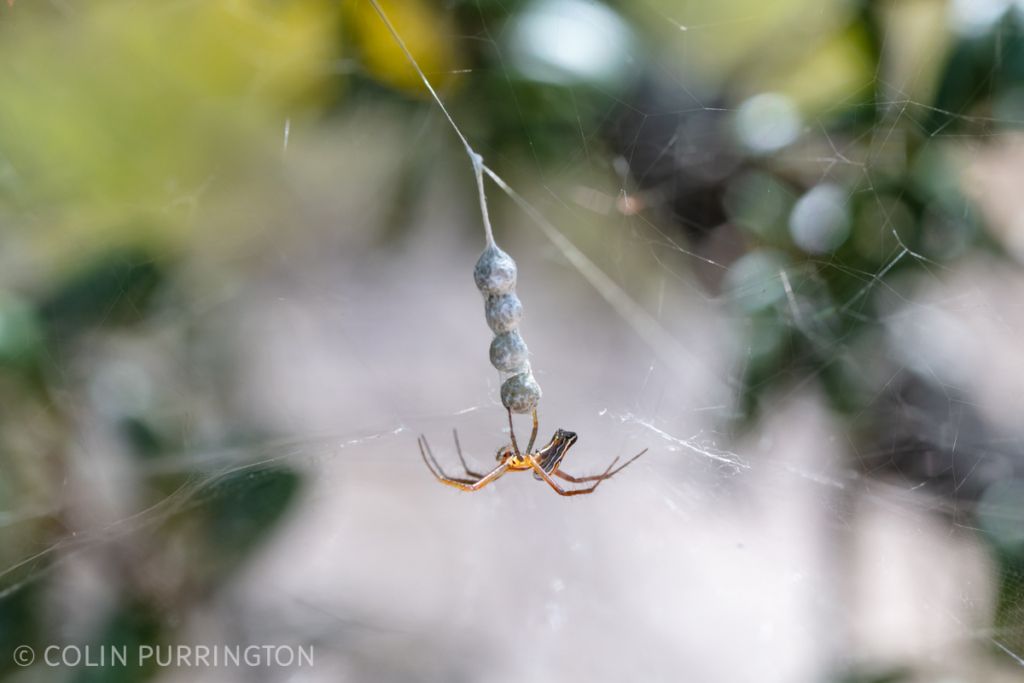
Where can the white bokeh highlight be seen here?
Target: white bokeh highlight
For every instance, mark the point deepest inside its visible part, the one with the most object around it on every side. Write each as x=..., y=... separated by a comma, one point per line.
x=820, y=222
x=565, y=42
x=768, y=122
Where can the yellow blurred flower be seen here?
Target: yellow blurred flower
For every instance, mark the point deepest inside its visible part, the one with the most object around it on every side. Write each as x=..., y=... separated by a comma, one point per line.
x=427, y=33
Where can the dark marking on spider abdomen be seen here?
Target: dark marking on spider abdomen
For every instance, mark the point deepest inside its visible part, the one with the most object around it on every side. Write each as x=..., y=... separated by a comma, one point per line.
x=551, y=455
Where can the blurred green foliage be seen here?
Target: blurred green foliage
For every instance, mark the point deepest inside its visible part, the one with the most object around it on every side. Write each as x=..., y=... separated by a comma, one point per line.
x=114, y=117
x=225, y=518
x=117, y=120
x=1009, y=616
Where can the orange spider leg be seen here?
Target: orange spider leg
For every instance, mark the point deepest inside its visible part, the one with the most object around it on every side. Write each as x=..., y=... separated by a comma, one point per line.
x=458, y=449
x=563, y=492
x=597, y=477
x=464, y=484
x=533, y=435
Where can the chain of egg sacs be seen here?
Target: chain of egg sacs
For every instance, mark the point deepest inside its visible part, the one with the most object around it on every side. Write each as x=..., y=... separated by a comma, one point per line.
x=495, y=276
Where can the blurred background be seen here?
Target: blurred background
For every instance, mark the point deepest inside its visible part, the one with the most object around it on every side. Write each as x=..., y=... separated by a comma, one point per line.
x=777, y=244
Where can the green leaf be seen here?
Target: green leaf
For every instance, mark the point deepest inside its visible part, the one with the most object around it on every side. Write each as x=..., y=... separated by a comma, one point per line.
x=115, y=290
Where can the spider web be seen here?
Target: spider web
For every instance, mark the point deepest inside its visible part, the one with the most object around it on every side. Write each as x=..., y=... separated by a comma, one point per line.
x=794, y=549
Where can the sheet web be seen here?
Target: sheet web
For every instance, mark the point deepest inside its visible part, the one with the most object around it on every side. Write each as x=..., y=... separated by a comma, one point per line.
x=833, y=483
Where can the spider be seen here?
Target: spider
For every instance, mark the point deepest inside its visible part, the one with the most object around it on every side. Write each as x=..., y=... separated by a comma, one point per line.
x=544, y=463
